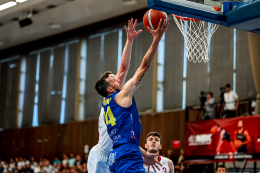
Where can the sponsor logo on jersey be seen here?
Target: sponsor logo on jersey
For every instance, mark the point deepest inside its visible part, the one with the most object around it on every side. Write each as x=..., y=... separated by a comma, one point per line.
x=201, y=139
x=112, y=158
x=116, y=138
x=112, y=133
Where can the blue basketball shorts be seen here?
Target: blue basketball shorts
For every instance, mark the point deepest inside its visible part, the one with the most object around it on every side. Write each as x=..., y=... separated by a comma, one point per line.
x=126, y=158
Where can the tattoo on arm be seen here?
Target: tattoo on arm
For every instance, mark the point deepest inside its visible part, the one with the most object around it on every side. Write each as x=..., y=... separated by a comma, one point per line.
x=139, y=80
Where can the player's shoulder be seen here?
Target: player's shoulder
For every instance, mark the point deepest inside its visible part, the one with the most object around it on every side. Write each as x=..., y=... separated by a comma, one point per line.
x=245, y=132
x=168, y=160
x=170, y=163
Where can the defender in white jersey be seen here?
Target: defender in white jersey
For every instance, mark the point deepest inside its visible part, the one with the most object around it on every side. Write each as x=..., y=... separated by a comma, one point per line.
x=153, y=145
x=98, y=156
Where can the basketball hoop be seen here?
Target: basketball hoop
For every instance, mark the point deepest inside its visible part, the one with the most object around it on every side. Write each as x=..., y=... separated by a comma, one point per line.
x=197, y=35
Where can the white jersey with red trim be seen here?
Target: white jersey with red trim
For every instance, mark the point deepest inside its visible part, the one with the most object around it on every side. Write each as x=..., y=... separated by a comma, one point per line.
x=163, y=169
x=105, y=142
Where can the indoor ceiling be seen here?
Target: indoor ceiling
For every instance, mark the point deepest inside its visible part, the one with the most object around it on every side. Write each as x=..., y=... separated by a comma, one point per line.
x=52, y=17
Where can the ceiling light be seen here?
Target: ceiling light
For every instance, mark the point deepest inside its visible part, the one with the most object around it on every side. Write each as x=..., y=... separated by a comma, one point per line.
x=129, y=2
x=20, y=1
x=7, y=5
x=54, y=25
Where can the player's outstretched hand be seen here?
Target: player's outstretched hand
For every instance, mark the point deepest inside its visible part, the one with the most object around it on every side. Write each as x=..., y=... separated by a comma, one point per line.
x=130, y=31
x=150, y=160
x=158, y=33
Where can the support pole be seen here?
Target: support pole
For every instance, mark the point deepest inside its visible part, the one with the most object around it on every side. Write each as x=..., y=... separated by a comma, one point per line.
x=155, y=83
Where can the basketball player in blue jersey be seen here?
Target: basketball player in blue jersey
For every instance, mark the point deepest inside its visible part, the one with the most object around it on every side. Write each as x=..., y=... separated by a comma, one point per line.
x=98, y=156
x=121, y=114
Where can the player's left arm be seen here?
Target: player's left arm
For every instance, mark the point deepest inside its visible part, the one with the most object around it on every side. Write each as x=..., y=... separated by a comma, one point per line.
x=126, y=55
x=248, y=139
x=149, y=159
x=171, y=166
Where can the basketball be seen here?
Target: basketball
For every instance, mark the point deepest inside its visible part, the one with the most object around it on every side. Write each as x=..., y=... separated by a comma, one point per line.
x=152, y=19
x=237, y=144
x=213, y=129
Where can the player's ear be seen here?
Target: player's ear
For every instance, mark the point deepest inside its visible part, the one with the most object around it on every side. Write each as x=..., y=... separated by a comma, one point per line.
x=145, y=145
x=160, y=146
x=109, y=89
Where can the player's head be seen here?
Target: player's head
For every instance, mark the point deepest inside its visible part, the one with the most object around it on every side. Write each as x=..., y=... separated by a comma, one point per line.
x=107, y=84
x=209, y=95
x=228, y=87
x=221, y=169
x=153, y=142
x=218, y=128
x=240, y=124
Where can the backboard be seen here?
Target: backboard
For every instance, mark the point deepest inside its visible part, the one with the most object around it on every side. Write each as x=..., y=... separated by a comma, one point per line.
x=243, y=15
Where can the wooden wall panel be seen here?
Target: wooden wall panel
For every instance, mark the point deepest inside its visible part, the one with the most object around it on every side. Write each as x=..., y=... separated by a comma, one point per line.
x=56, y=139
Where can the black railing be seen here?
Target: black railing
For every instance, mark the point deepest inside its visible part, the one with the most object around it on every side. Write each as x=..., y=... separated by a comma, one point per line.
x=218, y=108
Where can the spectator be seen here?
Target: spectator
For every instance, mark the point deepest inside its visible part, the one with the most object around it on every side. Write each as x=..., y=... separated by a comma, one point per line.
x=26, y=162
x=65, y=160
x=44, y=160
x=12, y=164
x=16, y=161
x=37, y=168
x=33, y=163
x=72, y=160
x=7, y=168
x=56, y=160
x=28, y=168
x=20, y=163
x=48, y=167
x=1, y=167
x=41, y=166
x=79, y=161
x=86, y=158
x=221, y=169
x=171, y=157
x=179, y=167
x=231, y=100
x=55, y=167
x=209, y=107
x=84, y=168
x=4, y=166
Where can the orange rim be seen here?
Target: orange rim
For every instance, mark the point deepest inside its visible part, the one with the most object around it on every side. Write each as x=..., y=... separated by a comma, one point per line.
x=185, y=18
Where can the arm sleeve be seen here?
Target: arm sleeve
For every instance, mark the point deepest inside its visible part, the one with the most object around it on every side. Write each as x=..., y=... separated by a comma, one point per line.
x=235, y=95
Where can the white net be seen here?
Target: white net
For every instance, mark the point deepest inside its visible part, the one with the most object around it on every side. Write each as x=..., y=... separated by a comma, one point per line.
x=197, y=35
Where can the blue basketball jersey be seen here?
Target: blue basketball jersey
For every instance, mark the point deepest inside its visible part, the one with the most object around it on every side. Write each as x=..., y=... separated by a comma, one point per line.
x=123, y=124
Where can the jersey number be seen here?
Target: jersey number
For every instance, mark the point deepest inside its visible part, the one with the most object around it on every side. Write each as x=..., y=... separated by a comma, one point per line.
x=109, y=117
x=164, y=169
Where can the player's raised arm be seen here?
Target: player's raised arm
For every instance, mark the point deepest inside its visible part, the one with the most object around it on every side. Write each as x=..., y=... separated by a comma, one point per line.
x=126, y=55
x=124, y=98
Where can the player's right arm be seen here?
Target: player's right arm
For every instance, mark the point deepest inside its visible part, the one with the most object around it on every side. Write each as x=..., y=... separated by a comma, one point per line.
x=171, y=166
x=124, y=97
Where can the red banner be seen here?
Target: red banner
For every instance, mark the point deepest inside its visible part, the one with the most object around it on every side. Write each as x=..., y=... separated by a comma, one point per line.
x=221, y=140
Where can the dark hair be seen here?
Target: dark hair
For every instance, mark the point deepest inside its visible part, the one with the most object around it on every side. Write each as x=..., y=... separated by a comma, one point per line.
x=102, y=84
x=154, y=134
x=228, y=85
x=210, y=93
x=222, y=166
